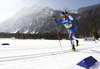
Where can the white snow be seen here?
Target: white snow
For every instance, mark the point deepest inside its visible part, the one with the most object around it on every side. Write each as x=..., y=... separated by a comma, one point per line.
x=37, y=54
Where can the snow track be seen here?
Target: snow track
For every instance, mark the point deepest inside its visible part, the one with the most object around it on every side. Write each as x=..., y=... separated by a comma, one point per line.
x=22, y=57
x=46, y=54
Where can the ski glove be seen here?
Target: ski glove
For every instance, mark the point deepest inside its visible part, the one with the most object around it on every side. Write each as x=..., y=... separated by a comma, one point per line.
x=54, y=17
x=66, y=12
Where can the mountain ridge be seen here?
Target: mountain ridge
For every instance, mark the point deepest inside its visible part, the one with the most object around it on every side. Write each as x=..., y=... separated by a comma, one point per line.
x=40, y=20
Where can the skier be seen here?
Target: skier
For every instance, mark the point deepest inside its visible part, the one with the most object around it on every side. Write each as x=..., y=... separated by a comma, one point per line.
x=66, y=21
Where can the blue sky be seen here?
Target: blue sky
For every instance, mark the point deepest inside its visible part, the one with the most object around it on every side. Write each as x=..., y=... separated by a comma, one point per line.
x=9, y=7
x=57, y=4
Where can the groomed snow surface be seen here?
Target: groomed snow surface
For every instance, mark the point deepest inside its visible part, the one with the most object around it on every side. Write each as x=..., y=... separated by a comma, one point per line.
x=43, y=54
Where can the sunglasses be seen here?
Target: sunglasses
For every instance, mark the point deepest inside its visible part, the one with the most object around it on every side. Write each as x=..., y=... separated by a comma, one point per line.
x=61, y=15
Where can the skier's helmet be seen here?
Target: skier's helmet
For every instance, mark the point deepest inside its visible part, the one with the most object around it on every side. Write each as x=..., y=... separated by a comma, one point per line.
x=62, y=13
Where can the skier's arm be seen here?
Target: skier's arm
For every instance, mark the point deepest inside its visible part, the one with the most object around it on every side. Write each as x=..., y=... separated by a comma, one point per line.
x=70, y=17
x=57, y=22
x=67, y=15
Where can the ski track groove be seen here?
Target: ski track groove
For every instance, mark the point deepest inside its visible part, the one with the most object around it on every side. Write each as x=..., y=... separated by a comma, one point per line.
x=29, y=48
x=28, y=56
x=21, y=57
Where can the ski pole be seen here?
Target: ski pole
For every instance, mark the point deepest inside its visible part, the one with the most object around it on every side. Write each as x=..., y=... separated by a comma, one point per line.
x=57, y=33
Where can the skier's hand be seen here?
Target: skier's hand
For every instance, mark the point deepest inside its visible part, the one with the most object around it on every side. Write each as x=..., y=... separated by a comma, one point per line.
x=66, y=13
x=54, y=17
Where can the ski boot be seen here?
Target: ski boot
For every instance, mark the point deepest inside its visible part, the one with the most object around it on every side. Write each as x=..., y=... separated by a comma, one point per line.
x=77, y=42
x=73, y=48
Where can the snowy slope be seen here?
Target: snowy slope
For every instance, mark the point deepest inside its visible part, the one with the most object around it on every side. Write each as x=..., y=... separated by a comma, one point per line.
x=27, y=20
x=37, y=54
x=34, y=19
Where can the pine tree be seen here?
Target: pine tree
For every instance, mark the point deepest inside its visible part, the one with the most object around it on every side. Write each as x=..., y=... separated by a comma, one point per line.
x=95, y=32
x=17, y=34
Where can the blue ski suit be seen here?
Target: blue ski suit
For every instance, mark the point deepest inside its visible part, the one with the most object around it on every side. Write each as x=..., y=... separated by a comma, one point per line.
x=68, y=25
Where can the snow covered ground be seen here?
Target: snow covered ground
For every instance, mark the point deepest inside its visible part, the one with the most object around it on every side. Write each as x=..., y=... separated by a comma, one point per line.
x=37, y=54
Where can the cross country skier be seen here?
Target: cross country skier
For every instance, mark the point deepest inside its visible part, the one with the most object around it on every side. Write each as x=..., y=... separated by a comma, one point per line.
x=66, y=21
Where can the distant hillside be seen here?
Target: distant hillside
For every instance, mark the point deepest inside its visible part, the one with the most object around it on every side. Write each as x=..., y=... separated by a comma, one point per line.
x=34, y=19
x=89, y=17
x=82, y=9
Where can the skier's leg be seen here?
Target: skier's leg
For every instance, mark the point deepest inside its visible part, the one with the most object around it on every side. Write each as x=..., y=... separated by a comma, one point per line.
x=68, y=30
x=73, y=46
x=77, y=42
x=72, y=41
x=73, y=30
